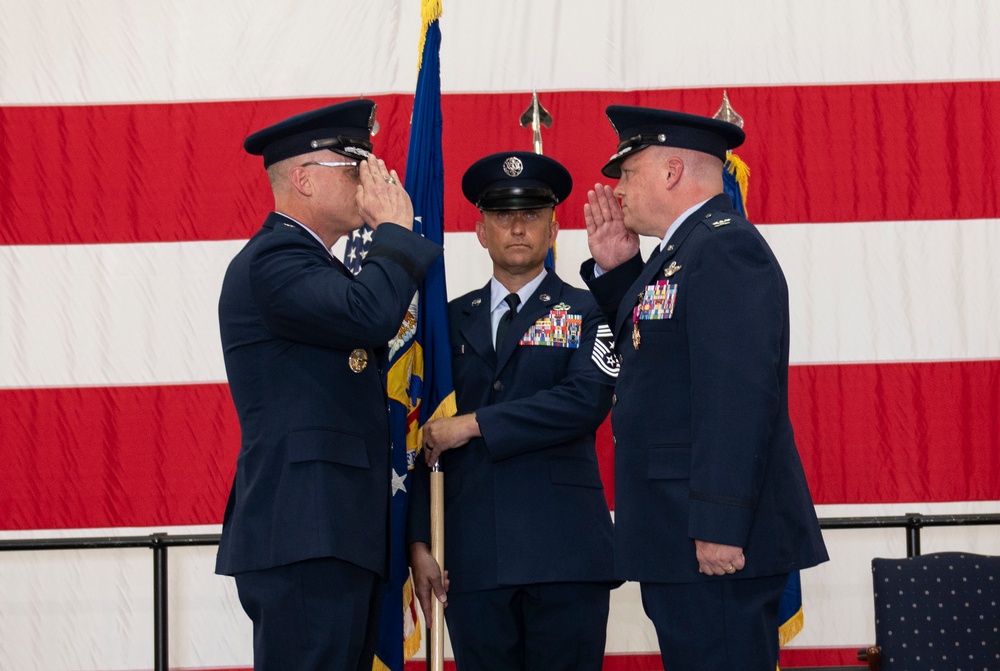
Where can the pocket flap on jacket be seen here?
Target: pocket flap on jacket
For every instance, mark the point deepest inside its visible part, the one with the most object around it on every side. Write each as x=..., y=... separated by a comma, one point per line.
x=326, y=445
x=669, y=463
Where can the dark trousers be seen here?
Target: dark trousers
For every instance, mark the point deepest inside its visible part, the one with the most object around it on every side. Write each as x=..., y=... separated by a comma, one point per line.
x=314, y=615
x=716, y=625
x=545, y=627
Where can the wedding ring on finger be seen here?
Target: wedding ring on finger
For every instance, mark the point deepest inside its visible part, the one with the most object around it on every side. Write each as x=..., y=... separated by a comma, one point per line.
x=390, y=180
x=731, y=569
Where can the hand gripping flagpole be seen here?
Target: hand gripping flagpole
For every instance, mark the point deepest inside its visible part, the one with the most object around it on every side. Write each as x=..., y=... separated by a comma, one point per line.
x=437, y=550
x=535, y=117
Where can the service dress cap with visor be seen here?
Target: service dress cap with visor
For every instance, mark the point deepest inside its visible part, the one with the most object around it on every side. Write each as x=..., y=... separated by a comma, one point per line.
x=641, y=127
x=344, y=128
x=516, y=180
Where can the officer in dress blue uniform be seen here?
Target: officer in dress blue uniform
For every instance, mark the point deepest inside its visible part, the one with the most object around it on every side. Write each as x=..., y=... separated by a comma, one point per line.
x=305, y=528
x=528, y=535
x=712, y=510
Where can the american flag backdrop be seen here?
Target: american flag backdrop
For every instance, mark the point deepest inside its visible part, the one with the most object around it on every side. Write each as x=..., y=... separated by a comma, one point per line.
x=872, y=139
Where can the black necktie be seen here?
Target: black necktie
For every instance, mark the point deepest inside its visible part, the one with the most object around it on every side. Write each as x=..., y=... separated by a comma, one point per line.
x=512, y=300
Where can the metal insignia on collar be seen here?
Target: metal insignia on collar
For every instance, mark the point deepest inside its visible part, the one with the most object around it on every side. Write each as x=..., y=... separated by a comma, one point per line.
x=476, y=301
x=512, y=167
x=544, y=297
x=560, y=306
x=670, y=248
x=670, y=270
x=721, y=222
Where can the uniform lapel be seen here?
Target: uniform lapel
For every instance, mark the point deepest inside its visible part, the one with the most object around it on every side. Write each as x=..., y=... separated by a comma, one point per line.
x=657, y=260
x=475, y=326
x=274, y=219
x=653, y=265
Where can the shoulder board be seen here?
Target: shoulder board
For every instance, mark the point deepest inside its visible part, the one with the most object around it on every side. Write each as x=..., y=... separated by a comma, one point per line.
x=285, y=227
x=714, y=220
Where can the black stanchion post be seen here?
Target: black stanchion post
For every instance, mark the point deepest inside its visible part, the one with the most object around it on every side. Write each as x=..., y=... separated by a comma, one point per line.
x=161, y=654
x=913, y=525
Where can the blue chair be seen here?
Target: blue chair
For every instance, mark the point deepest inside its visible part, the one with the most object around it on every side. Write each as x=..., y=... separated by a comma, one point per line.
x=936, y=612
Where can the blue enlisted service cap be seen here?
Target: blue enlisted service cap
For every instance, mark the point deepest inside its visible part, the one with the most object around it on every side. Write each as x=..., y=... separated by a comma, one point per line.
x=641, y=127
x=345, y=128
x=516, y=180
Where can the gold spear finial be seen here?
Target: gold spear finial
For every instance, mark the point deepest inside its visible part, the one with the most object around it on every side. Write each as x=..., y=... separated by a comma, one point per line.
x=536, y=116
x=727, y=113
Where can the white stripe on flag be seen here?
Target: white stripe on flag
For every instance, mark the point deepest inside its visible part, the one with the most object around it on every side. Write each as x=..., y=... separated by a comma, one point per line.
x=134, y=314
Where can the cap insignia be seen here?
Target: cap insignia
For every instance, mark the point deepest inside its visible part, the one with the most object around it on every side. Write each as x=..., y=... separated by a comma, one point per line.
x=357, y=151
x=372, y=124
x=621, y=152
x=512, y=167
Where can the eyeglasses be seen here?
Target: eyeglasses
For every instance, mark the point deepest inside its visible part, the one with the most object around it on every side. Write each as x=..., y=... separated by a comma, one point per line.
x=336, y=164
x=333, y=164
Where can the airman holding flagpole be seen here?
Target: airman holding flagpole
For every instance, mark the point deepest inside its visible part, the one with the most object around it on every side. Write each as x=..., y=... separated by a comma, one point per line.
x=529, y=534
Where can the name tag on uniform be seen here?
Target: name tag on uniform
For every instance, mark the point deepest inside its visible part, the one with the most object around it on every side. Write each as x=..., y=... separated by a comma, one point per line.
x=557, y=329
x=657, y=301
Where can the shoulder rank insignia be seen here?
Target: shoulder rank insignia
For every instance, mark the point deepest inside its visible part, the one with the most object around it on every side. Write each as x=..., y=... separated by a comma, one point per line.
x=720, y=222
x=560, y=306
x=672, y=269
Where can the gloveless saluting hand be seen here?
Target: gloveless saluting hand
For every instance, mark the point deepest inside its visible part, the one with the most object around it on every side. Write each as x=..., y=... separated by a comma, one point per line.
x=611, y=244
x=381, y=197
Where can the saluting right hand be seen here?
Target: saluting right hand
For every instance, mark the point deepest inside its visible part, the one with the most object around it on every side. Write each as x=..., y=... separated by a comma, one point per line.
x=611, y=244
x=381, y=196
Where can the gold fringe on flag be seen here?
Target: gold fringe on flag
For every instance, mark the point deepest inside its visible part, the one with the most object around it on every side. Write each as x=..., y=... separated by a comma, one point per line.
x=430, y=11
x=741, y=171
x=411, y=644
x=790, y=628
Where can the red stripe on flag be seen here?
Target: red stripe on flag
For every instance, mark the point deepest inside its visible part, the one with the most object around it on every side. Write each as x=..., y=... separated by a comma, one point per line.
x=169, y=172
x=116, y=456
x=147, y=172
x=792, y=658
x=898, y=433
x=927, y=431
x=151, y=456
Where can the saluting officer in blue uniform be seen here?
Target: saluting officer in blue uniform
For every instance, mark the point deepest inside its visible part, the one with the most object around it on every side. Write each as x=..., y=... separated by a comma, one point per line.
x=712, y=510
x=305, y=529
x=528, y=536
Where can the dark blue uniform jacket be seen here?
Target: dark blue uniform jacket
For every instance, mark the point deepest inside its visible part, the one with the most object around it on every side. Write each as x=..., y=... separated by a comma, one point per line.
x=704, y=445
x=524, y=504
x=312, y=476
